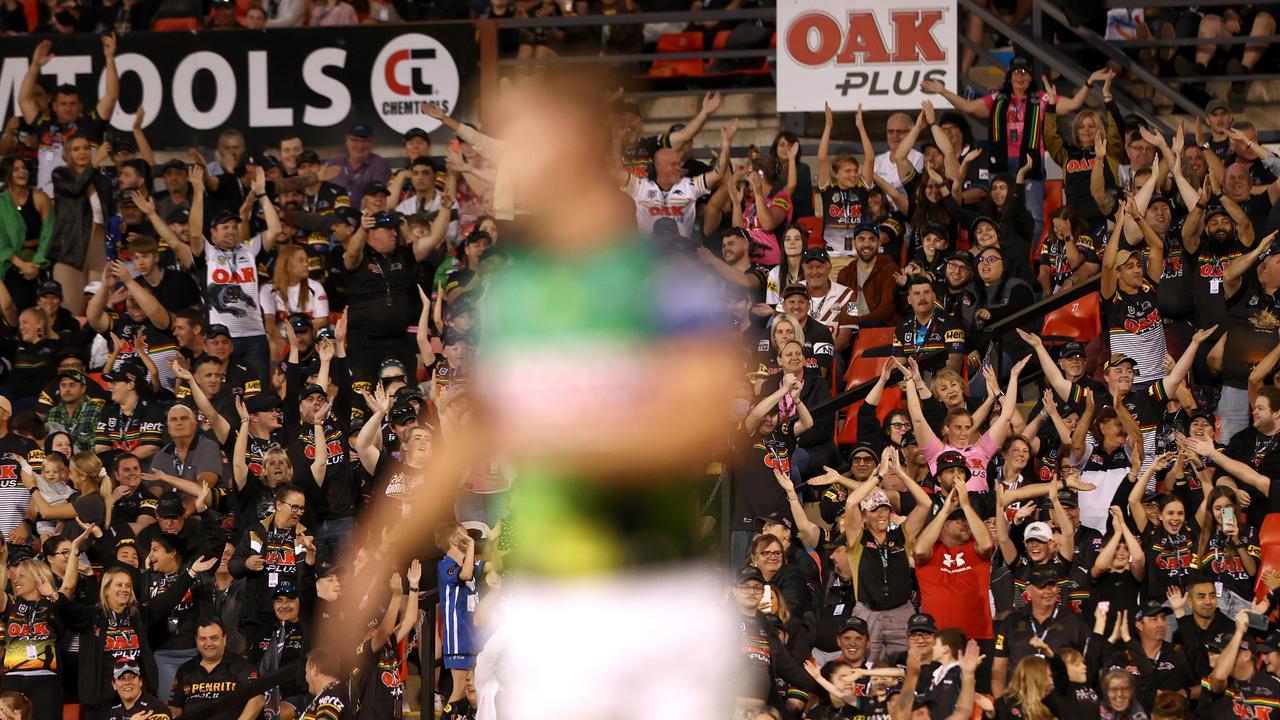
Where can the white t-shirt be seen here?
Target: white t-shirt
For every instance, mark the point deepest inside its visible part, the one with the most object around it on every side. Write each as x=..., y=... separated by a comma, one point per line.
x=231, y=287
x=680, y=203
x=318, y=303
x=413, y=205
x=887, y=169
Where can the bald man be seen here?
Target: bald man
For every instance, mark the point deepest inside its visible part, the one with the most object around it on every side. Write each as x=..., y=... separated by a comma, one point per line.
x=897, y=127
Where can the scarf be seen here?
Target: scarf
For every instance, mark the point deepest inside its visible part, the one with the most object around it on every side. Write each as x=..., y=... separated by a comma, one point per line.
x=1032, y=134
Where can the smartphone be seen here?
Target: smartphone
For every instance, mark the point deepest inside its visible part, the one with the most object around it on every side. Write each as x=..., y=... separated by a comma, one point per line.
x=767, y=598
x=1228, y=519
x=1104, y=607
x=1257, y=623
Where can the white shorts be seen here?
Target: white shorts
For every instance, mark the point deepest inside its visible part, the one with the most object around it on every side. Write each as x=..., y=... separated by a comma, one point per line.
x=642, y=646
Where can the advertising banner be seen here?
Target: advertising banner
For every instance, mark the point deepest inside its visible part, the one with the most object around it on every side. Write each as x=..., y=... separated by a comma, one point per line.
x=846, y=52
x=313, y=82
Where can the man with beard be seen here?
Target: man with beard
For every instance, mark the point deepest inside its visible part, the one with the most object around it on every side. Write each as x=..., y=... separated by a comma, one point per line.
x=871, y=278
x=959, y=296
x=1213, y=235
x=928, y=331
x=177, y=188
x=1251, y=282
x=736, y=267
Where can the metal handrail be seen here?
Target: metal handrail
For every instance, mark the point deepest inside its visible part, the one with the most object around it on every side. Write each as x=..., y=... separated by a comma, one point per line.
x=642, y=57
x=637, y=18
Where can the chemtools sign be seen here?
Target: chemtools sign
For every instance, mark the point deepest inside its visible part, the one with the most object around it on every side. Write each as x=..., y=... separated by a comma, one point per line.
x=315, y=82
x=847, y=52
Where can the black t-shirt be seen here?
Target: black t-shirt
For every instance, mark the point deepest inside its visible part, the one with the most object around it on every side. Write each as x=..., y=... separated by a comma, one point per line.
x=756, y=490
x=382, y=298
x=383, y=697
x=884, y=574
x=53, y=135
x=147, y=703
x=177, y=631
x=195, y=688
x=397, y=481
x=1061, y=629
x=129, y=508
x=842, y=210
x=1174, y=296
x=332, y=703
x=1250, y=332
x=940, y=335
x=1262, y=453
x=1169, y=670
x=175, y=291
x=1171, y=558
x=1209, y=264
x=337, y=498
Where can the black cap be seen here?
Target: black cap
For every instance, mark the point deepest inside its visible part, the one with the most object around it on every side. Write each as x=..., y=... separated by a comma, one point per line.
x=360, y=130
x=475, y=236
x=224, y=216
x=1068, y=498
x=936, y=229
x=863, y=449
x=457, y=307
x=1205, y=416
x=962, y=256
x=75, y=375
x=266, y=162
x=453, y=337
x=286, y=590
x=1071, y=349
x=263, y=402
x=776, y=518
x=402, y=413
x=326, y=569
x=1151, y=497
x=1019, y=62
x=174, y=164
x=386, y=220
x=412, y=133
x=409, y=392
x=952, y=459
x=854, y=624
x=973, y=226
x=216, y=329
x=178, y=216
x=665, y=228
x=797, y=289
x=748, y=573
x=921, y=622
x=818, y=254
x=375, y=188
x=1158, y=198
x=170, y=506
x=301, y=321
x=1042, y=575
x=1219, y=642
x=125, y=197
x=1215, y=209
x=349, y=215
x=131, y=370
x=308, y=157
x=1151, y=608
x=1270, y=643
x=49, y=287
x=311, y=389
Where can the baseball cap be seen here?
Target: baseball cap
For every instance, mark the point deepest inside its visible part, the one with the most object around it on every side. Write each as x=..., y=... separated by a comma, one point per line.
x=174, y=164
x=1270, y=643
x=666, y=229
x=224, y=216
x=301, y=321
x=262, y=402
x=308, y=157
x=1151, y=608
x=402, y=413
x=386, y=219
x=453, y=337
x=775, y=518
x=178, y=216
x=1219, y=642
x=1158, y=198
x=376, y=188
x=75, y=375
x=391, y=363
x=1205, y=416
x=1019, y=62
x=311, y=389
x=170, y=506
x=1068, y=498
x=790, y=290
x=50, y=287
x=412, y=133
x=125, y=197
x=1119, y=359
x=870, y=227
x=216, y=329
x=921, y=622
x=816, y=254
x=936, y=229
x=327, y=568
x=1215, y=105
x=973, y=226
x=360, y=130
x=1071, y=349
x=1042, y=575
x=286, y=590
x=961, y=256
x=749, y=573
x=349, y=215
x=854, y=624
x=1150, y=498
x=125, y=666
x=891, y=226
x=1038, y=531
x=875, y=500
x=951, y=459
x=1215, y=209
x=130, y=370
x=475, y=236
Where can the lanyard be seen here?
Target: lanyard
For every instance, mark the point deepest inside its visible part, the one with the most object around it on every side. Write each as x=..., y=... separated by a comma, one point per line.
x=1042, y=634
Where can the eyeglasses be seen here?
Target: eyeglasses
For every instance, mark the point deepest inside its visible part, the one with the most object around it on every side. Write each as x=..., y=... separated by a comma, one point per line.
x=900, y=425
x=988, y=259
x=770, y=553
x=862, y=459
x=751, y=589
x=63, y=553
x=388, y=379
x=295, y=509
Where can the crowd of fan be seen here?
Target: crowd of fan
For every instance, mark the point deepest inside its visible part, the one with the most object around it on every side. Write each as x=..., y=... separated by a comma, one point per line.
x=283, y=339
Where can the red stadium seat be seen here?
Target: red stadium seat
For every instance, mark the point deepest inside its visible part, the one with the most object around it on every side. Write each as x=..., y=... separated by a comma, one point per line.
x=97, y=377
x=1052, y=201
x=812, y=226
x=32, y=10
x=677, y=43
x=174, y=24
x=1081, y=320
x=1269, y=541
x=70, y=711
x=862, y=369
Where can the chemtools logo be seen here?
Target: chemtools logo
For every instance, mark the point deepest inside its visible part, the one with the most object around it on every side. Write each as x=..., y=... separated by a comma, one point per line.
x=412, y=71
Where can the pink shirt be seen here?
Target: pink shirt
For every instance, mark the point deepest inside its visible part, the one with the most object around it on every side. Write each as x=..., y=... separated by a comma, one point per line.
x=1017, y=119
x=975, y=456
x=764, y=244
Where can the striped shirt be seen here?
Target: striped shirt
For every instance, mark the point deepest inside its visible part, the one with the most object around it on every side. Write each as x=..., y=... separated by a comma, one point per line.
x=457, y=607
x=1134, y=328
x=838, y=309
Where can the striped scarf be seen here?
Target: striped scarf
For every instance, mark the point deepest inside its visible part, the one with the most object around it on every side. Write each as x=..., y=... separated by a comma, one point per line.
x=1032, y=134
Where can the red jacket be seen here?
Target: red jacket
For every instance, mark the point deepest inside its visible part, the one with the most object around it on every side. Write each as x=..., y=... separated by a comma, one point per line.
x=878, y=289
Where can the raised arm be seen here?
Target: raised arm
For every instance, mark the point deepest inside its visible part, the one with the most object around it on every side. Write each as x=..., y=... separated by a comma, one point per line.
x=140, y=137
x=355, y=246
x=710, y=103
x=410, y=619
x=27, y=93
x=156, y=313
x=1244, y=226
x=928, y=537
x=97, y=308
x=1226, y=662
x=1079, y=435
x=902, y=156
x=239, y=463
x=976, y=108
x=809, y=533
x=867, y=168
x=320, y=444
x=1173, y=380
x=110, y=79
x=1108, y=283
x=367, y=440
x=924, y=433
x=1004, y=542
x=727, y=133
x=423, y=246
x=1193, y=225
x=1233, y=274
x=1067, y=548
x=999, y=429
x=824, y=146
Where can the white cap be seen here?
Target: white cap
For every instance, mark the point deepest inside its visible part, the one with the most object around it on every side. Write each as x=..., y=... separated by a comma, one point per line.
x=1038, y=531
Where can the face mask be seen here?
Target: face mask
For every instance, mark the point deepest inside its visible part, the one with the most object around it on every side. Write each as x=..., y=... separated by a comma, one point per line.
x=741, y=408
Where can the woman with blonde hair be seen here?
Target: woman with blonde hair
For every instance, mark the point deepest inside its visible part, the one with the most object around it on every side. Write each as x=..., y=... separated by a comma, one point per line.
x=290, y=291
x=1025, y=694
x=782, y=330
x=91, y=506
x=37, y=614
x=36, y=345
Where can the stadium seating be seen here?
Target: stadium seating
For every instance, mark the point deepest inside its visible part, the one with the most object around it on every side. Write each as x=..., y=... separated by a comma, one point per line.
x=1081, y=320
x=681, y=42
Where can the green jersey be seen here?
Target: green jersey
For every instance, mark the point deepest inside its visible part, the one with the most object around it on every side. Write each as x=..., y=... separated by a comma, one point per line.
x=567, y=347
